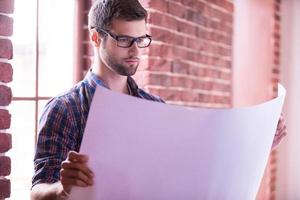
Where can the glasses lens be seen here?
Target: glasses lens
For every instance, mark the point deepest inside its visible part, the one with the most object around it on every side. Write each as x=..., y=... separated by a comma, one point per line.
x=124, y=41
x=143, y=42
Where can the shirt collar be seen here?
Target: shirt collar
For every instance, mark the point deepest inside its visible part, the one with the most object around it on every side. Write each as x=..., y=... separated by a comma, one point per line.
x=94, y=80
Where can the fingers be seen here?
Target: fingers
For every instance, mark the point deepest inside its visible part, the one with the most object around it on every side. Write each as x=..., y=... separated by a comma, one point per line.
x=72, y=182
x=73, y=156
x=281, y=127
x=280, y=134
x=76, y=177
x=75, y=171
x=81, y=167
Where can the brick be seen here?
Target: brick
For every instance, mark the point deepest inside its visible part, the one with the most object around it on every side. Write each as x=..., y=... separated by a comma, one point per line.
x=85, y=19
x=6, y=25
x=189, y=29
x=160, y=5
x=88, y=50
x=5, y=166
x=196, y=44
x=223, y=4
x=5, y=142
x=160, y=79
x=156, y=64
x=163, y=20
x=5, y=95
x=86, y=35
x=277, y=17
x=87, y=4
x=87, y=63
x=183, y=54
x=6, y=49
x=221, y=87
x=162, y=35
x=196, y=71
x=4, y=188
x=180, y=67
x=200, y=6
x=176, y=9
x=161, y=50
x=6, y=72
x=193, y=56
x=277, y=7
x=7, y=6
x=196, y=17
x=183, y=82
x=166, y=94
x=225, y=76
x=189, y=96
x=4, y=119
x=189, y=3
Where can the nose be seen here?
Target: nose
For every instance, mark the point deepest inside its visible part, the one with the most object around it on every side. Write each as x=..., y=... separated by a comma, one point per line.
x=134, y=49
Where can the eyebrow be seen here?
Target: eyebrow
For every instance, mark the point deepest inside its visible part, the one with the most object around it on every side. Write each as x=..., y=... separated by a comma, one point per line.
x=123, y=35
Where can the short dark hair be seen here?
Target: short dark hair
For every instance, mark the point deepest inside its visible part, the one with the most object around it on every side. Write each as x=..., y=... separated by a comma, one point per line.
x=103, y=12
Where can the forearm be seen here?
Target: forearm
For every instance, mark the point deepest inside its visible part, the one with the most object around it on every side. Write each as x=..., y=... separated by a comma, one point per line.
x=46, y=191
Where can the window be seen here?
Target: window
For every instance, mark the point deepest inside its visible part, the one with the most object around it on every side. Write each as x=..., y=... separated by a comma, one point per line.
x=43, y=67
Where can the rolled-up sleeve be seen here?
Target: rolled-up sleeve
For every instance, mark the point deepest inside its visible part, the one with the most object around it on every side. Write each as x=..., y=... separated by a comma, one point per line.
x=57, y=136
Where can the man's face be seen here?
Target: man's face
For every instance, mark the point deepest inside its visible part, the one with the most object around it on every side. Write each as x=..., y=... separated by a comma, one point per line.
x=123, y=61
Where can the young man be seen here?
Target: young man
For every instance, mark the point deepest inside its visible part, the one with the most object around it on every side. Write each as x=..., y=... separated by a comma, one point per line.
x=118, y=34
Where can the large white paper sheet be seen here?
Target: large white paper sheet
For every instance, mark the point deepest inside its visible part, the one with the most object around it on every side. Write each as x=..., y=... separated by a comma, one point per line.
x=143, y=150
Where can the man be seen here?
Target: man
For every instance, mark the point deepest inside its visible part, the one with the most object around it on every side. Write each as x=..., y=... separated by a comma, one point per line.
x=118, y=34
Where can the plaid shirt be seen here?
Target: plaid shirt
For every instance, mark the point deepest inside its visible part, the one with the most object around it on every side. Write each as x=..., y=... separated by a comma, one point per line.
x=62, y=126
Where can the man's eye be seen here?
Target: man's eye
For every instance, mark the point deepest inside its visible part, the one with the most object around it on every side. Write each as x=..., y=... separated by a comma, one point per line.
x=123, y=39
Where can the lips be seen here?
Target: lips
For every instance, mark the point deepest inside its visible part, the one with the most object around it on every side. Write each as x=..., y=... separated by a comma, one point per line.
x=131, y=61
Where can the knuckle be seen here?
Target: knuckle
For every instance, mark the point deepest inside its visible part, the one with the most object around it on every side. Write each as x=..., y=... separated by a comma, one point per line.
x=62, y=172
x=78, y=173
x=64, y=164
x=78, y=182
x=63, y=181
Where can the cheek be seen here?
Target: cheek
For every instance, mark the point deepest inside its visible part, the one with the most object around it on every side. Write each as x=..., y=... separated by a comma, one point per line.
x=119, y=53
x=115, y=52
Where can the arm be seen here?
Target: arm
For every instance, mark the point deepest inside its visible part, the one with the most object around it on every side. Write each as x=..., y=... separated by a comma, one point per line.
x=48, y=191
x=74, y=172
x=55, y=161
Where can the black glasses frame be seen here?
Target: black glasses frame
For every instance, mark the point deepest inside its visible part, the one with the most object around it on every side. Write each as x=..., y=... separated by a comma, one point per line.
x=133, y=39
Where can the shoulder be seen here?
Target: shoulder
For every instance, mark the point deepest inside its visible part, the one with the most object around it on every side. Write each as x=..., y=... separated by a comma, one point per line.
x=71, y=103
x=76, y=95
x=145, y=95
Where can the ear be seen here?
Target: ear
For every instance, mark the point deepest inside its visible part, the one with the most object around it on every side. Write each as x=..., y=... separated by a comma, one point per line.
x=95, y=38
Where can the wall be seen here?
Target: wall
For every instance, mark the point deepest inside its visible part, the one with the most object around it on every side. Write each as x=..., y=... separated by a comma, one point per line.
x=189, y=62
x=6, y=54
x=256, y=61
x=288, y=172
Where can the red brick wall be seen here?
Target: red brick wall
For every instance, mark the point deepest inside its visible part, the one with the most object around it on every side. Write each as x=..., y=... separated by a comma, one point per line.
x=189, y=61
x=268, y=185
x=6, y=53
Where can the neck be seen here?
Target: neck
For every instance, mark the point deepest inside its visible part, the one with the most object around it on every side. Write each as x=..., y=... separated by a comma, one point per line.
x=114, y=81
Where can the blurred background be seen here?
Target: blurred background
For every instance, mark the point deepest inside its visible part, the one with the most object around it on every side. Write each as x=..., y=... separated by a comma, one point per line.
x=205, y=53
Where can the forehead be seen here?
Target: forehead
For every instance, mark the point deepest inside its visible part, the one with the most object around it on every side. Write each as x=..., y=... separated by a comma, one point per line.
x=134, y=28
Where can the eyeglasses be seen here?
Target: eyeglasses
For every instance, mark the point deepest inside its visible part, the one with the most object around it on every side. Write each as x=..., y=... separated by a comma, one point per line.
x=127, y=41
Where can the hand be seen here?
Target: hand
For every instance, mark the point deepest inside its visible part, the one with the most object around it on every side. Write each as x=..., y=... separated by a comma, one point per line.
x=281, y=131
x=74, y=171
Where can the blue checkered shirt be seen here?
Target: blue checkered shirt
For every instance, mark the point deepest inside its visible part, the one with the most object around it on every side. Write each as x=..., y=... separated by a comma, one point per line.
x=62, y=124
